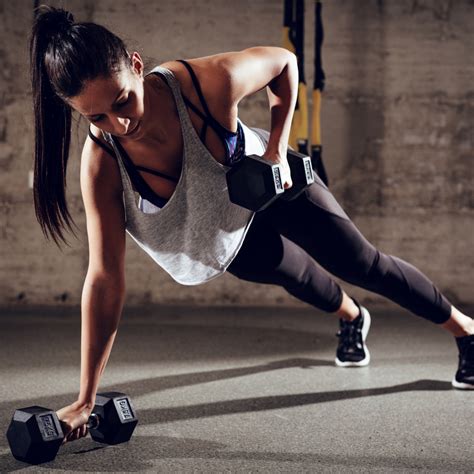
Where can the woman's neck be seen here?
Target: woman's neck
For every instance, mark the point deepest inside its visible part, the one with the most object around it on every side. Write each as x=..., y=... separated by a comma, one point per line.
x=159, y=107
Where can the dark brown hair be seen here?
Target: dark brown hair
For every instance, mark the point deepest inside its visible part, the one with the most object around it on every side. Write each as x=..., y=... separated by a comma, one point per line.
x=63, y=56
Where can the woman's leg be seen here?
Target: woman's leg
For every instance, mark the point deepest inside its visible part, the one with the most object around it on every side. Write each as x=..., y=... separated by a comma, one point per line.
x=317, y=223
x=459, y=324
x=270, y=258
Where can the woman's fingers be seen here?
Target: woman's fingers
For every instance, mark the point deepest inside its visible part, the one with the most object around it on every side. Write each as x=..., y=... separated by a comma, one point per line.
x=73, y=420
x=287, y=181
x=84, y=431
x=284, y=167
x=78, y=433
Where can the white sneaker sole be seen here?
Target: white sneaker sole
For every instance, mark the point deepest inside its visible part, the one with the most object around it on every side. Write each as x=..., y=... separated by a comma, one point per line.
x=365, y=331
x=461, y=385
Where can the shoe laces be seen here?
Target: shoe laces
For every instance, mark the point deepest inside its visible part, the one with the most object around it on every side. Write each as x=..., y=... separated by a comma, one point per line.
x=349, y=333
x=466, y=355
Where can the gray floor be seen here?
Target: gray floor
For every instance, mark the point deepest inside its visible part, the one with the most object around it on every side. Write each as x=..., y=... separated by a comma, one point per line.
x=249, y=390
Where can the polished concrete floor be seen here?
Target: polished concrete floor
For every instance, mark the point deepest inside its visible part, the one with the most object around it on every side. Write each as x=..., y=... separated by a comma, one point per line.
x=249, y=390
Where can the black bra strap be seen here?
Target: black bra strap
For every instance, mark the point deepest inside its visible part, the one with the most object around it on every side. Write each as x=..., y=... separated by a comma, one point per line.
x=132, y=168
x=205, y=122
x=203, y=132
x=157, y=173
x=207, y=119
x=197, y=86
x=109, y=150
x=141, y=168
x=193, y=107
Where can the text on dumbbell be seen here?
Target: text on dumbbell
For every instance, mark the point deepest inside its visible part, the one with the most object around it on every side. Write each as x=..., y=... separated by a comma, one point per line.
x=276, y=173
x=125, y=409
x=47, y=427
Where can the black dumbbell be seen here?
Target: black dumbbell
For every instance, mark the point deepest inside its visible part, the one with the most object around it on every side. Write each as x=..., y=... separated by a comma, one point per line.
x=301, y=174
x=35, y=434
x=255, y=183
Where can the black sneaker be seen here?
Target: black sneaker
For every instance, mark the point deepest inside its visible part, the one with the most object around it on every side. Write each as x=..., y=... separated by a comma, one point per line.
x=464, y=377
x=351, y=350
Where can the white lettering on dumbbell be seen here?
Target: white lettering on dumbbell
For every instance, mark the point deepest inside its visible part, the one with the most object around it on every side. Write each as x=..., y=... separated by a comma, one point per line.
x=309, y=170
x=276, y=174
x=48, y=427
x=125, y=409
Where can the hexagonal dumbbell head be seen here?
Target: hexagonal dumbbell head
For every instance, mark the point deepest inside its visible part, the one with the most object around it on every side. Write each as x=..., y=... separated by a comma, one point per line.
x=117, y=419
x=254, y=183
x=302, y=174
x=34, y=435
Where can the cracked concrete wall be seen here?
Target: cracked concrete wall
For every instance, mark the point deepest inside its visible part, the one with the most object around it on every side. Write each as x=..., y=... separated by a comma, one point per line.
x=397, y=132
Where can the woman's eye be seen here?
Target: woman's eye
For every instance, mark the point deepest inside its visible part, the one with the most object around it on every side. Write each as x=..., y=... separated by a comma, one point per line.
x=121, y=104
x=117, y=105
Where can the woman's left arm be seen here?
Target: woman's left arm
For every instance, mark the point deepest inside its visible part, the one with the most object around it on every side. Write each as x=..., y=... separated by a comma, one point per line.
x=276, y=69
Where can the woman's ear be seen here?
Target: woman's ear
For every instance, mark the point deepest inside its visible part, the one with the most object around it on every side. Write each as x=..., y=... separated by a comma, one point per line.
x=137, y=64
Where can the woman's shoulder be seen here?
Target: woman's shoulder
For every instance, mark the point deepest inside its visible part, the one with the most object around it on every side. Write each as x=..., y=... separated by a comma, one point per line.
x=176, y=66
x=98, y=161
x=96, y=142
x=180, y=72
x=210, y=75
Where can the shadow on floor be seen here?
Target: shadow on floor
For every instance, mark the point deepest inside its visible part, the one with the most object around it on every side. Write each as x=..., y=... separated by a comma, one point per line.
x=145, y=386
x=275, y=402
x=144, y=452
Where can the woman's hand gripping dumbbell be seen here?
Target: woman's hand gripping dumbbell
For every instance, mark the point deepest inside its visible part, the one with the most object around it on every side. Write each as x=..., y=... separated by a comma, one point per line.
x=256, y=182
x=36, y=433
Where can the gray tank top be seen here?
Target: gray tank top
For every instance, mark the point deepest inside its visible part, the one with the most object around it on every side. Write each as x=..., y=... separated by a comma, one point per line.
x=198, y=232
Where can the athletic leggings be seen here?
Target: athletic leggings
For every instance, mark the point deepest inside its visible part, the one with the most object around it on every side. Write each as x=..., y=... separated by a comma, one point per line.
x=286, y=242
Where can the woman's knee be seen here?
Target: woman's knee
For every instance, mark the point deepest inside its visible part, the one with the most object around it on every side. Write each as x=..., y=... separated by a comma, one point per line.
x=367, y=271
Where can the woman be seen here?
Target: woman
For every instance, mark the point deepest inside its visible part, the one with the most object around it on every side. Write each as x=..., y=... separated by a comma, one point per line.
x=169, y=136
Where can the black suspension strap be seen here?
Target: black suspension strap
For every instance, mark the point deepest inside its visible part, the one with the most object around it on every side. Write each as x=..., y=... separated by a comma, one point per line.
x=293, y=40
x=318, y=87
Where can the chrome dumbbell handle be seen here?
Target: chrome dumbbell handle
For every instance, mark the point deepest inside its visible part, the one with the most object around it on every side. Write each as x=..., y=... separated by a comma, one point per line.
x=94, y=421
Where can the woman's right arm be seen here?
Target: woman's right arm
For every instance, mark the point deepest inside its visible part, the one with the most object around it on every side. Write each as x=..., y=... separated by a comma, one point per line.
x=104, y=286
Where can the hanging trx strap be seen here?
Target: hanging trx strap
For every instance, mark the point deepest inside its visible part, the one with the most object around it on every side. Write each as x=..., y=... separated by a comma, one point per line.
x=318, y=86
x=293, y=40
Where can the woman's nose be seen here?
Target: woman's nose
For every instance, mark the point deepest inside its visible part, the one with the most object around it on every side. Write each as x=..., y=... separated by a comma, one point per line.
x=122, y=124
x=123, y=121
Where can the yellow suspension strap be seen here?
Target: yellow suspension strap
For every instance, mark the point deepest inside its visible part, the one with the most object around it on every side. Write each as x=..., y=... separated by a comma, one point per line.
x=318, y=86
x=293, y=40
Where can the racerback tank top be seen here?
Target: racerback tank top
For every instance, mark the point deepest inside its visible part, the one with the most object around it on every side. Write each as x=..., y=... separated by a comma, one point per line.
x=198, y=233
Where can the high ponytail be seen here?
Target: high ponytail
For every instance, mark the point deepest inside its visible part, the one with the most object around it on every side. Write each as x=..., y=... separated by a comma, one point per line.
x=63, y=56
x=52, y=130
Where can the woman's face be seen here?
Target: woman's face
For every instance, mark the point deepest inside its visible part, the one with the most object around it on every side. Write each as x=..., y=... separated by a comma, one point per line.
x=115, y=104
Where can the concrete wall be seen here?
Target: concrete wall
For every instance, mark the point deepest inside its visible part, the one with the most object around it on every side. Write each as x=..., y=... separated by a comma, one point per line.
x=397, y=133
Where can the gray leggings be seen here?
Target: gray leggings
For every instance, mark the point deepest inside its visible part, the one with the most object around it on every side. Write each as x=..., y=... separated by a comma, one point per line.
x=287, y=241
